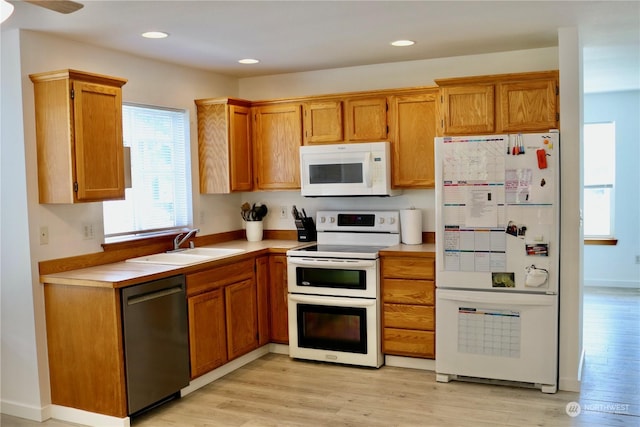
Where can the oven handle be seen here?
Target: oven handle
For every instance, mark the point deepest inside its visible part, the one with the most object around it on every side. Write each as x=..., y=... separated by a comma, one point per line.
x=334, y=301
x=324, y=262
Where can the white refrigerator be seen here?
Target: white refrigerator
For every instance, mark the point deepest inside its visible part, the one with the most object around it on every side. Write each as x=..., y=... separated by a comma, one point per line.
x=497, y=258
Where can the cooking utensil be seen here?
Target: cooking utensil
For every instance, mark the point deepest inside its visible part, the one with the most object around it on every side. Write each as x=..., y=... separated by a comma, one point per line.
x=245, y=210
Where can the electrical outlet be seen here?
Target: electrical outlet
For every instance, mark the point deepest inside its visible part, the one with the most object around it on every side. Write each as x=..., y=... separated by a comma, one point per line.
x=44, y=235
x=283, y=212
x=637, y=259
x=87, y=231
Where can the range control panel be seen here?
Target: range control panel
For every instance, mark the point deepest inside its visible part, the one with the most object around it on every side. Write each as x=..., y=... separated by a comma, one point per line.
x=359, y=221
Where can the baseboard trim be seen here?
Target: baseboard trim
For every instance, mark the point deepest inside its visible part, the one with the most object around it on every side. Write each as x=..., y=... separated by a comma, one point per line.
x=223, y=370
x=78, y=416
x=410, y=362
x=28, y=412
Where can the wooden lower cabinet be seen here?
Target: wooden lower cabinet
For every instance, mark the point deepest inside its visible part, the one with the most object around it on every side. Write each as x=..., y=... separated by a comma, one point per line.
x=278, y=294
x=207, y=332
x=262, y=291
x=223, y=315
x=408, y=306
x=242, y=318
x=86, y=355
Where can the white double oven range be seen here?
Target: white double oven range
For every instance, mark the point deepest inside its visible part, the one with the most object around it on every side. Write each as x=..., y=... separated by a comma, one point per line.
x=334, y=288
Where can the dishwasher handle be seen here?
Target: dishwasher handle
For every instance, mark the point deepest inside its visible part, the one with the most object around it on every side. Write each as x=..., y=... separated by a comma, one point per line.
x=137, y=299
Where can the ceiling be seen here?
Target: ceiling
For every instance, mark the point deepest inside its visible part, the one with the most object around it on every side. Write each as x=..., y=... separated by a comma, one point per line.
x=294, y=36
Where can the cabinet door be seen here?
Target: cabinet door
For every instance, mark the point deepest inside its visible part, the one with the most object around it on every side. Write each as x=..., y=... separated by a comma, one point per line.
x=413, y=129
x=241, y=177
x=278, y=136
x=323, y=122
x=262, y=292
x=98, y=141
x=224, y=146
x=278, y=294
x=468, y=109
x=242, y=318
x=207, y=332
x=528, y=105
x=366, y=119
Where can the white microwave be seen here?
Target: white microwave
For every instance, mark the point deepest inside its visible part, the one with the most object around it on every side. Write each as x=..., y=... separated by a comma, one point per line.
x=357, y=169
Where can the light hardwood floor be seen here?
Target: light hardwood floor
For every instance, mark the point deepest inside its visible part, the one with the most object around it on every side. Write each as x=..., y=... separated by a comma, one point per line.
x=278, y=391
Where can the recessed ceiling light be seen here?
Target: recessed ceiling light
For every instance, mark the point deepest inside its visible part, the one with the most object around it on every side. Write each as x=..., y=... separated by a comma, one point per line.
x=155, y=35
x=403, y=43
x=248, y=61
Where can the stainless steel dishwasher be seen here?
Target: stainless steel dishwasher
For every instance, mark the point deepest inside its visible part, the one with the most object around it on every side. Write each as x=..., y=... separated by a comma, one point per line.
x=156, y=342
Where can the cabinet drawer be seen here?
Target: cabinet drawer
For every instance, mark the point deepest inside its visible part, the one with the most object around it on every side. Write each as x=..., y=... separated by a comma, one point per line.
x=219, y=276
x=408, y=268
x=406, y=291
x=404, y=342
x=407, y=316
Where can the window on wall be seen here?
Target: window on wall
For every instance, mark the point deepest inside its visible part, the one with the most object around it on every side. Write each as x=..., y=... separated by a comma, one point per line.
x=158, y=198
x=599, y=179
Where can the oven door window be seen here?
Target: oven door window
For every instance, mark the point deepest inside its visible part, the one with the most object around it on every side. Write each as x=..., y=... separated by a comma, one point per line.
x=331, y=278
x=332, y=328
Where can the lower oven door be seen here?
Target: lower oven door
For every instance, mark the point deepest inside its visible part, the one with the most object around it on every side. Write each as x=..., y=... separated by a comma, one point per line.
x=335, y=329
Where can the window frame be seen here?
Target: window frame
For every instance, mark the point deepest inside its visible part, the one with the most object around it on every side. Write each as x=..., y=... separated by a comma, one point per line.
x=120, y=238
x=601, y=239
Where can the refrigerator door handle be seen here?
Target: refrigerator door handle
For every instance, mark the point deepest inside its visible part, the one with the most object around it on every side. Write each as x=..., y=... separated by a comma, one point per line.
x=501, y=298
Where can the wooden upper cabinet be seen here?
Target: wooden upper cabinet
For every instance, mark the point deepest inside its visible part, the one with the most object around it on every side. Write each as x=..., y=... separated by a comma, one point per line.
x=323, y=122
x=224, y=145
x=528, y=105
x=79, y=136
x=501, y=103
x=468, y=109
x=277, y=141
x=412, y=120
x=366, y=119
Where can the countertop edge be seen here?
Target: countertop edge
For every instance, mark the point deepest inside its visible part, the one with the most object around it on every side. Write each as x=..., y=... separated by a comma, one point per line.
x=122, y=274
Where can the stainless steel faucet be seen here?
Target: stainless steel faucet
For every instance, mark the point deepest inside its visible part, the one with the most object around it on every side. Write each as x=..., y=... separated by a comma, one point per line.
x=179, y=240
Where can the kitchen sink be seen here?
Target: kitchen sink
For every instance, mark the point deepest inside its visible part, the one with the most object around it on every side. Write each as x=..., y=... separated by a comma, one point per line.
x=212, y=252
x=186, y=257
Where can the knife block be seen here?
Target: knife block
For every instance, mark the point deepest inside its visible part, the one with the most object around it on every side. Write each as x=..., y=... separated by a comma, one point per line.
x=306, y=229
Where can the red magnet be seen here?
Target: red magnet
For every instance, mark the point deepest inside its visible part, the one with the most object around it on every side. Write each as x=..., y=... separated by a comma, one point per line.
x=542, y=158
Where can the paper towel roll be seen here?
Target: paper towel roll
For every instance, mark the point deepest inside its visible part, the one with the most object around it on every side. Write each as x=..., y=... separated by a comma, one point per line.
x=411, y=226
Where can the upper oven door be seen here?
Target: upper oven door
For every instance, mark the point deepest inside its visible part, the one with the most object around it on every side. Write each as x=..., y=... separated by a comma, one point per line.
x=333, y=277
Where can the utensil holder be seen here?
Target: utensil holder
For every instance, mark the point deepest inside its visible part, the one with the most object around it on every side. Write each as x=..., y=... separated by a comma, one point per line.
x=254, y=230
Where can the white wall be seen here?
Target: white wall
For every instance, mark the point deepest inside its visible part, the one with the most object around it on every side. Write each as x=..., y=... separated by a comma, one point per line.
x=571, y=77
x=25, y=384
x=396, y=75
x=616, y=265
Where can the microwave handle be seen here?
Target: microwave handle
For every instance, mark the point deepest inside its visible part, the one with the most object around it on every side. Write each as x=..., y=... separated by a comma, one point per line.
x=367, y=169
